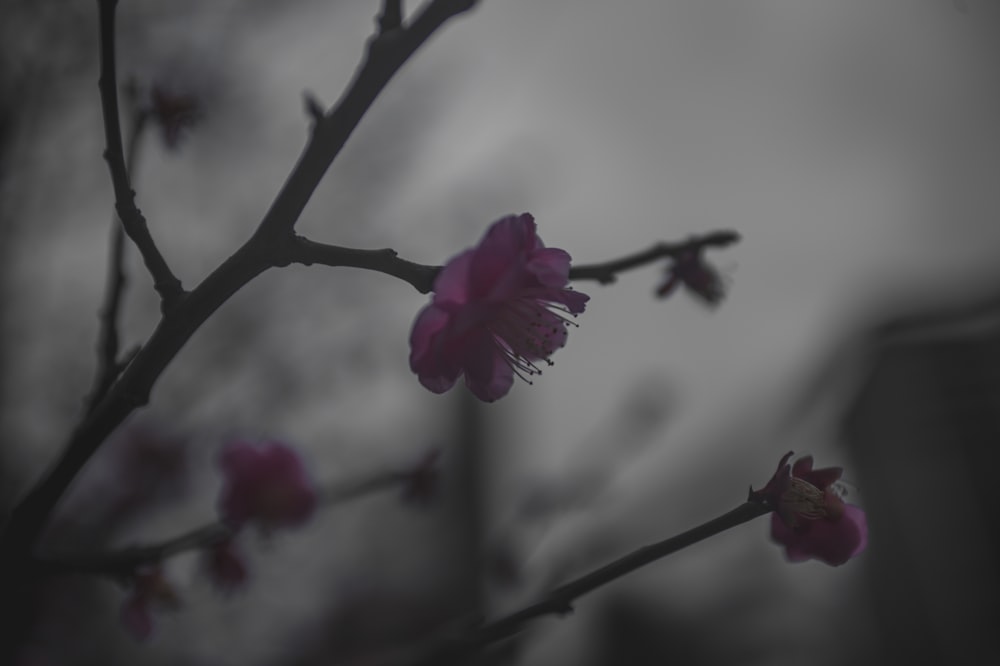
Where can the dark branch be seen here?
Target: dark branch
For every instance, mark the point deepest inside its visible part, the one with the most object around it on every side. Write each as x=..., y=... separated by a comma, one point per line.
x=124, y=561
x=383, y=59
x=253, y=258
x=108, y=365
x=307, y=252
x=391, y=17
x=606, y=273
x=559, y=601
x=164, y=281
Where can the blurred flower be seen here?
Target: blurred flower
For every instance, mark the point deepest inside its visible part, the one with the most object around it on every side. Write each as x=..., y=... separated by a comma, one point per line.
x=810, y=518
x=225, y=566
x=149, y=590
x=174, y=111
x=690, y=269
x=497, y=308
x=266, y=485
x=420, y=483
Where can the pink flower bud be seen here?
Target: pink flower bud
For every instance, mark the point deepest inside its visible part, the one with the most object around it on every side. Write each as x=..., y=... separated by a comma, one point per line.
x=266, y=485
x=149, y=590
x=701, y=278
x=225, y=566
x=810, y=520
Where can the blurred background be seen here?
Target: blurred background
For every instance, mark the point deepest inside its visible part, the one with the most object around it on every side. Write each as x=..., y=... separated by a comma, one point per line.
x=853, y=145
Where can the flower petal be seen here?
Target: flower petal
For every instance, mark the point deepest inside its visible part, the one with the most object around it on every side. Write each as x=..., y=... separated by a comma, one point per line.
x=487, y=374
x=550, y=266
x=498, y=264
x=429, y=359
x=452, y=283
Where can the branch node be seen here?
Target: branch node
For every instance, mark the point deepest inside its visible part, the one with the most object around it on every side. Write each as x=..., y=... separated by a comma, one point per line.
x=314, y=107
x=391, y=17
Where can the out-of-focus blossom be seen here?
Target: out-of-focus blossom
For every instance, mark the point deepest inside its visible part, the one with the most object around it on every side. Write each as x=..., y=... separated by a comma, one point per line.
x=150, y=590
x=174, y=101
x=266, y=485
x=420, y=483
x=690, y=269
x=225, y=566
x=174, y=110
x=810, y=519
x=498, y=308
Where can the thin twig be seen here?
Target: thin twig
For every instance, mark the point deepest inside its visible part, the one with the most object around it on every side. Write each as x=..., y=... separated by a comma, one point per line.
x=391, y=17
x=304, y=251
x=559, y=601
x=307, y=252
x=606, y=273
x=254, y=257
x=108, y=364
x=164, y=281
x=125, y=560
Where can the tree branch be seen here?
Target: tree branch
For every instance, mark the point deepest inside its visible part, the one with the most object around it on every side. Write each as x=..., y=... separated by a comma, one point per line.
x=391, y=17
x=606, y=273
x=124, y=561
x=258, y=254
x=108, y=364
x=307, y=252
x=304, y=251
x=166, y=284
x=559, y=601
x=385, y=55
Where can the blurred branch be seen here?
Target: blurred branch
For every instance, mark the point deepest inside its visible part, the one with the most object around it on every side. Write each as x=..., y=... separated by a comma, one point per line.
x=108, y=364
x=124, y=561
x=560, y=600
x=164, y=281
x=606, y=273
x=262, y=251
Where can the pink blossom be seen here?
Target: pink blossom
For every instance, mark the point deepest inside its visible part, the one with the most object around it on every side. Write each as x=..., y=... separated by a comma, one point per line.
x=810, y=519
x=149, y=590
x=690, y=269
x=266, y=485
x=225, y=566
x=498, y=308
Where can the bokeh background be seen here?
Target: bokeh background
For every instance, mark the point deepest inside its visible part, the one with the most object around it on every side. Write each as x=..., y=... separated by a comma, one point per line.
x=853, y=145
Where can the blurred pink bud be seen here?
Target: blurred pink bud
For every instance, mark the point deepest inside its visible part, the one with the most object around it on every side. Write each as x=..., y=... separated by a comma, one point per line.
x=497, y=309
x=175, y=111
x=149, y=590
x=266, y=485
x=701, y=278
x=810, y=520
x=225, y=566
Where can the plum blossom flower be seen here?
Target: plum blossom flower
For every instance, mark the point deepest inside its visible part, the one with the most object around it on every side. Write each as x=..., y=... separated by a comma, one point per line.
x=810, y=519
x=498, y=309
x=150, y=589
x=266, y=485
x=225, y=565
x=690, y=269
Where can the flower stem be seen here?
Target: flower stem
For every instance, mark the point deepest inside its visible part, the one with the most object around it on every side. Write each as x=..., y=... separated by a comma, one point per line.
x=559, y=601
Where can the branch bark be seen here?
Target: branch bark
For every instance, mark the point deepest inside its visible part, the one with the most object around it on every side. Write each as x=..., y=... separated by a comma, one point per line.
x=559, y=601
x=606, y=273
x=164, y=281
